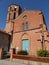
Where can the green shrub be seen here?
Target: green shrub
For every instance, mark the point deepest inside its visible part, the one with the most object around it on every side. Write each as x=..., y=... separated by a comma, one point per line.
x=43, y=53
x=47, y=54
x=4, y=52
x=22, y=52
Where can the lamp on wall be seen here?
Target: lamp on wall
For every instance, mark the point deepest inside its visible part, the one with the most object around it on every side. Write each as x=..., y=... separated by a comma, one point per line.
x=11, y=46
x=17, y=48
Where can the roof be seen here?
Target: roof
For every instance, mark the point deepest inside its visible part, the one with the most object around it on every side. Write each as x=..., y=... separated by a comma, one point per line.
x=28, y=11
x=2, y=31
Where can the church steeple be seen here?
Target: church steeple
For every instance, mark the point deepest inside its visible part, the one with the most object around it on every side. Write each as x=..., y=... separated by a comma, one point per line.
x=13, y=13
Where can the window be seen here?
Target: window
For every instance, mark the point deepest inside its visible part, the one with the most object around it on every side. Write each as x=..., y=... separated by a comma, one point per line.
x=24, y=16
x=11, y=16
x=14, y=9
x=22, y=26
x=14, y=15
x=26, y=25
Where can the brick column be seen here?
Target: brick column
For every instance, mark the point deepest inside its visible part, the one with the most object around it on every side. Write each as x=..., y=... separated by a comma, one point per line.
x=11, y=54
x=0, y=53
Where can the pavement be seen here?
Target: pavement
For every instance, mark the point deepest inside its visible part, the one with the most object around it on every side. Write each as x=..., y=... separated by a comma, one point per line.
x=5, y=62
x=21, y=62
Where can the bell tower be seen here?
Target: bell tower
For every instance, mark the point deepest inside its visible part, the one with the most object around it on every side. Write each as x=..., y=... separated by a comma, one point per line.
x=13, y=13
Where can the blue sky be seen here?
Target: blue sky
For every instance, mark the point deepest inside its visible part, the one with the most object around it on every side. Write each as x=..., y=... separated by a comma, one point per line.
x=29, y=4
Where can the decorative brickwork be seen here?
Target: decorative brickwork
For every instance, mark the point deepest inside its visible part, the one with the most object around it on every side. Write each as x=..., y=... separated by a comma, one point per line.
x=35, y=30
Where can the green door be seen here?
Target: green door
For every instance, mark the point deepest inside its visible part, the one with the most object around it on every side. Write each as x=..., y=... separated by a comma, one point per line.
x=25, y=44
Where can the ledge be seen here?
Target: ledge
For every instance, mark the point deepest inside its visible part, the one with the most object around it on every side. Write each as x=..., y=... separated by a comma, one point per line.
x=32, y=58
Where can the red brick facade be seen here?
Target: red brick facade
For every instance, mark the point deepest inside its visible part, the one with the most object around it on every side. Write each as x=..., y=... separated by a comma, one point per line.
x=36, y=32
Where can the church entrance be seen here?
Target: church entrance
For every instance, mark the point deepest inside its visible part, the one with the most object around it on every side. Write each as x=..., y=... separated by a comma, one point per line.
x=25, y=44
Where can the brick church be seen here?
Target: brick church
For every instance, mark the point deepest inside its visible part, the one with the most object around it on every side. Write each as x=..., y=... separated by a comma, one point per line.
x=27, y=29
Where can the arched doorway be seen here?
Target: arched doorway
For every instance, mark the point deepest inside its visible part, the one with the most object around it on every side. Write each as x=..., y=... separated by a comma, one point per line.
x=25, y=44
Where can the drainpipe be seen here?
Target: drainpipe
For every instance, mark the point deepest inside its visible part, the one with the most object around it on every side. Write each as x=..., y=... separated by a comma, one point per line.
x=11, y=49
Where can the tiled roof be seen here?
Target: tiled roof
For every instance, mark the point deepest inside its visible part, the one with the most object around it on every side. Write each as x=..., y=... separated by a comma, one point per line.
x=2, y=31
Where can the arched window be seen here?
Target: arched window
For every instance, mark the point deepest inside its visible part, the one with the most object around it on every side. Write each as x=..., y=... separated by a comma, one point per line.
x=14, y=9
x=14, y=16
x=23, y=26
x=11, y=16
x=25, y=16
x=26, y=25
x=25, y=45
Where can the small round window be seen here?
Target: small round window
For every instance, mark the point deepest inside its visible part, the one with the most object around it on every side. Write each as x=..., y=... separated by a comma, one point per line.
x=25, y=16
